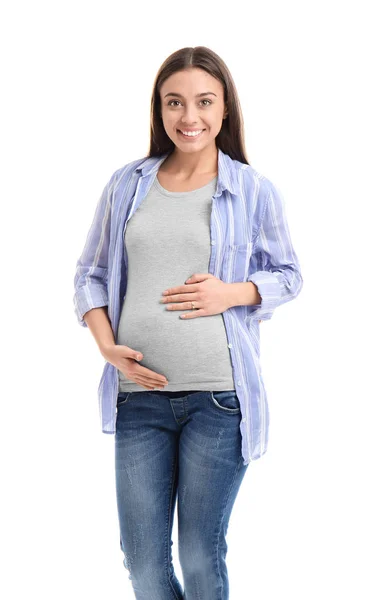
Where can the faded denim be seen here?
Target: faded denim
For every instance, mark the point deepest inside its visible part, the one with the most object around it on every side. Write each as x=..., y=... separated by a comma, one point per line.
x=183, y=446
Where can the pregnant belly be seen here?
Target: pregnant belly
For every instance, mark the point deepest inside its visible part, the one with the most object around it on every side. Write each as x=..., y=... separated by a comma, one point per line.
x=197, y=347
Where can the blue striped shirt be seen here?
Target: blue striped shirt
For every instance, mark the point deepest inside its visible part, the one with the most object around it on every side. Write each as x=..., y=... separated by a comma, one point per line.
x=250, y=241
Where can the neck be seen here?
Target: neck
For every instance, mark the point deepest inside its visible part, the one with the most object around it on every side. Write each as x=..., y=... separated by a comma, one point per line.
x=189, y=164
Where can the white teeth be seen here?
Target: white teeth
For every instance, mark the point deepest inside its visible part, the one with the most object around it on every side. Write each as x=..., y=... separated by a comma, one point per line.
x=191, y=133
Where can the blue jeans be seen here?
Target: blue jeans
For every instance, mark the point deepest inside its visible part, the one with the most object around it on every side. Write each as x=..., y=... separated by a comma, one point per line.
x=185, y=446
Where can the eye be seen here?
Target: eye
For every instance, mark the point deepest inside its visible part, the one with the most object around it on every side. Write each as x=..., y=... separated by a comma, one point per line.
x=205, y=100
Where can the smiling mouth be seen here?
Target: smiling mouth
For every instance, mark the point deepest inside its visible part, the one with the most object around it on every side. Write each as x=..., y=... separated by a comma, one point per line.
x=190, y=137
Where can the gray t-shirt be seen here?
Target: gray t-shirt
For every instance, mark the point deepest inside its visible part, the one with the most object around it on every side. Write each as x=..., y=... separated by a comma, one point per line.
x=168, y=239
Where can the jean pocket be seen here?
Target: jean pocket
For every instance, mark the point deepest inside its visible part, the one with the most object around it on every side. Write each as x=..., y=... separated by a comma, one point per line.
x=122, y=398
x=226, y=401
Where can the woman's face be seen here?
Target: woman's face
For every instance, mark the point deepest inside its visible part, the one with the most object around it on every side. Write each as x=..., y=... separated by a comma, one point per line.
x=192, y=100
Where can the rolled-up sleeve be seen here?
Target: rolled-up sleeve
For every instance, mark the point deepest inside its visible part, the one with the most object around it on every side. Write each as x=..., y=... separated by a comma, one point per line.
x=91, y=275
x=274, y=261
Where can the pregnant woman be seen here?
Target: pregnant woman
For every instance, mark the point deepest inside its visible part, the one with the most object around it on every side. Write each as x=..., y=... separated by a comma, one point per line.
x=188, y=251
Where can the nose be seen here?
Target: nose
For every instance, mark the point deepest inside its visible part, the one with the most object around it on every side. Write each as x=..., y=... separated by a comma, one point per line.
x=190, y=116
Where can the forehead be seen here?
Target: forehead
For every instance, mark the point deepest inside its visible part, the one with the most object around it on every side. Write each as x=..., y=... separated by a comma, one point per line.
x=191, y=82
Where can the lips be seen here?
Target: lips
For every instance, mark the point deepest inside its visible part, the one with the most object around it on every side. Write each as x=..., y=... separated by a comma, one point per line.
x=190, y=137
x=191, y=130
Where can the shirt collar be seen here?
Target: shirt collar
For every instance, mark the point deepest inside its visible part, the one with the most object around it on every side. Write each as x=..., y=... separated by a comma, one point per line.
x=227, y=171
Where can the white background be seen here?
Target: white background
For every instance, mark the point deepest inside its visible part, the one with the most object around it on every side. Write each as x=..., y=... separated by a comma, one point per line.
x=77, y=79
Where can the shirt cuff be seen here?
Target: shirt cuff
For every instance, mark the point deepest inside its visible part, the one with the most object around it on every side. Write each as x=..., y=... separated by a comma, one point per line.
x=88, y=297
x=270, y=292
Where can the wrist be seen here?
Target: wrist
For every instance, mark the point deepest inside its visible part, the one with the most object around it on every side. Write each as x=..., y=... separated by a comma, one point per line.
x=243, y=294
x=104, y=348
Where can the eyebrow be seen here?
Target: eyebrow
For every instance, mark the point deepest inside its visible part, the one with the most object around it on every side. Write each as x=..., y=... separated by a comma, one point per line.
x=197, y=95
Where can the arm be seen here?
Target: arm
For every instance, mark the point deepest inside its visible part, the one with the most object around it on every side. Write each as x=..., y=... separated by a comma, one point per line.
x=275, y=269
x=243, y=294
x=91, y=276
x=98, y=322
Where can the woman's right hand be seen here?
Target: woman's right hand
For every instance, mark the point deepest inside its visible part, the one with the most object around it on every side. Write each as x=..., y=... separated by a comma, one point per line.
x=125, y=360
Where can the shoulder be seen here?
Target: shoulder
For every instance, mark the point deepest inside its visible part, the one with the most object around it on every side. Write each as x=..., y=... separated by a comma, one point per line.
x=123, y=173
x=254, y=183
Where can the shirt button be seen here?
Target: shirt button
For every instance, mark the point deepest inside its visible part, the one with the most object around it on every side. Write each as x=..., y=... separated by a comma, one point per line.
x=243, y=420
x=238, y=383
x=213, y=242
x=230, y=346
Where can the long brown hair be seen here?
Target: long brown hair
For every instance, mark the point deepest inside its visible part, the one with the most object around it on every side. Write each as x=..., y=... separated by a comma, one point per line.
x=231, y=136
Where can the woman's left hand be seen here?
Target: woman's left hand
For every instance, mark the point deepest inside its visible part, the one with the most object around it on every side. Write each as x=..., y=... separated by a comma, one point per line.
x=210, y=295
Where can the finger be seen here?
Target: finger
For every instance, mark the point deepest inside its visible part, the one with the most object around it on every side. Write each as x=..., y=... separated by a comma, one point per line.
x=176, y=305
x=149, y=374
x=200, y=312
x=150, y=382
x=180, y=293
x=147, y=384
x=183, y=305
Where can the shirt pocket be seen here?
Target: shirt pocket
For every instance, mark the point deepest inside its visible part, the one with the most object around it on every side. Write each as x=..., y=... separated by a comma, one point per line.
x=236, y=266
